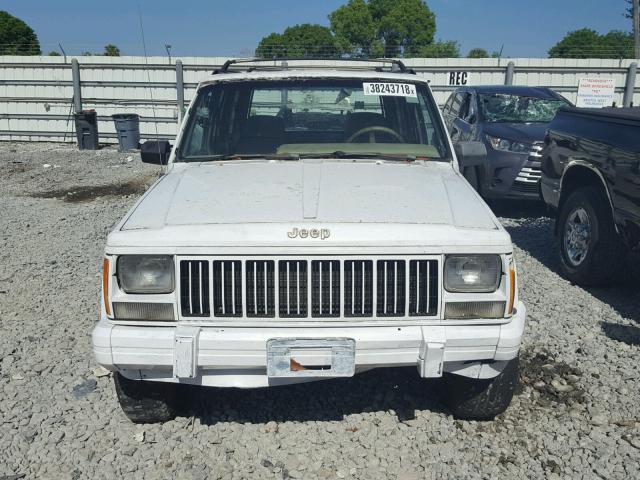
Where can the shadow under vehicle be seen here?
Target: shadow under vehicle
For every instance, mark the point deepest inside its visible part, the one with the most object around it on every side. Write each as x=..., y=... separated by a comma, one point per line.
x=591, y=176
x=511, y=121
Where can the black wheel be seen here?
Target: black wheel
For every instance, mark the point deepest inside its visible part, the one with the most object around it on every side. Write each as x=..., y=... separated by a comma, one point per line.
x=144, y=401
x=591, y=250
x=475, y=399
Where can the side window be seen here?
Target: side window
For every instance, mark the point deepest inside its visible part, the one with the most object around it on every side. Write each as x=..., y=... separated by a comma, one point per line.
x=465, y=106
x=456, y=105
x=448, y=103
x=472, y=111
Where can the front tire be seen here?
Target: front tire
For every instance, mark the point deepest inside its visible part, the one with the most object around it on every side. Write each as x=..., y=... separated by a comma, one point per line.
x=481, y=399
x=144, y=401
x=590, y=249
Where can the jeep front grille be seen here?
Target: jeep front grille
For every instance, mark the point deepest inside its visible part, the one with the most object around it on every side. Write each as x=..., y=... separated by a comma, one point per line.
x=309, y=288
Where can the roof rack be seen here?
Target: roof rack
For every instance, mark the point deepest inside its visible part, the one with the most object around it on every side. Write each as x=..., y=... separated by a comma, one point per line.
x=396, y=66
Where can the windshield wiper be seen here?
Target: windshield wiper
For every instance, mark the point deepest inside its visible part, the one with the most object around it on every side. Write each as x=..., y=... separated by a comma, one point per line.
x=237, y=156
x=399, y=157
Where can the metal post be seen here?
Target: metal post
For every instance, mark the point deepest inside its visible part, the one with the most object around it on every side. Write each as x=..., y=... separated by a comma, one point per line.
x=635, y=15
x=630, y=85
x=77, y=93
x=180, y=90
x=508, y=77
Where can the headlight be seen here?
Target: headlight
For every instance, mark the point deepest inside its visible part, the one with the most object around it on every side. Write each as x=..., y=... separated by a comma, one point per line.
x=146, y=273
x=504, y=145
x=472, y=273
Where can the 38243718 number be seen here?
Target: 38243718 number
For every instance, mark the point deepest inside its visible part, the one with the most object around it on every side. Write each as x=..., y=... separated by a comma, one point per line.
x=390, y=89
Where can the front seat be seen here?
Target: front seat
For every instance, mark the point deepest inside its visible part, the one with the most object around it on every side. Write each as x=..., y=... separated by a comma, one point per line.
x=261, y=134
x=359, y=120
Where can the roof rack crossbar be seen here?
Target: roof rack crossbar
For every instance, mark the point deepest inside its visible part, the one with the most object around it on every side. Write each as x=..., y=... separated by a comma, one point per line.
x=282, y=63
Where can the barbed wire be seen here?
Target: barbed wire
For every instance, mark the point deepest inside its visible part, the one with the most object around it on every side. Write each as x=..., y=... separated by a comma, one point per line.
x=280, y=50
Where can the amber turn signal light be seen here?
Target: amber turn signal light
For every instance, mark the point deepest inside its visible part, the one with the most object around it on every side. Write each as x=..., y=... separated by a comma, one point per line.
x=105, y=286
x=512, y=286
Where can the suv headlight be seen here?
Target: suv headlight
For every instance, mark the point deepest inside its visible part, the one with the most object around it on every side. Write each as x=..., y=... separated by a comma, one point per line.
x=504, y=145
x=472, y=273
x=146, y=273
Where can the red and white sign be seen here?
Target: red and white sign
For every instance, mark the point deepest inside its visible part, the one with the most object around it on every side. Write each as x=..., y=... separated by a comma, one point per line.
x=595, y=92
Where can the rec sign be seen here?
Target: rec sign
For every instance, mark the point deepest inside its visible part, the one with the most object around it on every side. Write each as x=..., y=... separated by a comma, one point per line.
x=458, y=78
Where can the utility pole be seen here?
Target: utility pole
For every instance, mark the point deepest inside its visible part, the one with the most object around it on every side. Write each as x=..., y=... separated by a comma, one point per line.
x=636, y=26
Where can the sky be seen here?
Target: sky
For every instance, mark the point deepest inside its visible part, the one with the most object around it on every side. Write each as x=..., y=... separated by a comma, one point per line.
x=526, y=28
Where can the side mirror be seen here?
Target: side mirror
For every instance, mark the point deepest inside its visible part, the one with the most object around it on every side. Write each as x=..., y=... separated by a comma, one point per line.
x=470, y=153
x=156, y=152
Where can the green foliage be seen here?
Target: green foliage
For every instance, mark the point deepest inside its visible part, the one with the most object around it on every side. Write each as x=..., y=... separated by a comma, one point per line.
x=53, y=53
x=16, y=37
x=354, y=29
x=304, y=40
x=478, y=53
x=360, y=28
x=440, y=49
x=111, y=51
x=587, y=43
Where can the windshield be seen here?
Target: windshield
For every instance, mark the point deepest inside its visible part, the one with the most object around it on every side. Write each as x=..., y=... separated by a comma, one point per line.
x=311, y=117
x=498, y=107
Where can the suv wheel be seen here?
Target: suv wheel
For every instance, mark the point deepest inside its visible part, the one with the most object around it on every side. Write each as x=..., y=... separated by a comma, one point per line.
x=481, y=399
x=144, y=401
x=590, y=248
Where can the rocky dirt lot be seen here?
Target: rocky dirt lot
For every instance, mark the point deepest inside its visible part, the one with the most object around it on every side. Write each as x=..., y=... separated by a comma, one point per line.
x=577, y=414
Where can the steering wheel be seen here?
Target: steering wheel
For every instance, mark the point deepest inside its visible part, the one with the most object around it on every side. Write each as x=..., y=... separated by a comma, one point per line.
x=372, y=131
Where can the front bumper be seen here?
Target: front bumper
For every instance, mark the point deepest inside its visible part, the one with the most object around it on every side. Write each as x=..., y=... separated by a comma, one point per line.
x=237, y=357
x=511, y=175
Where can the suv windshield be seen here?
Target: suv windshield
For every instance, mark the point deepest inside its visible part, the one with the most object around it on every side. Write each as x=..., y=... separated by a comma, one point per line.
x=312, y=117
x=504, y=108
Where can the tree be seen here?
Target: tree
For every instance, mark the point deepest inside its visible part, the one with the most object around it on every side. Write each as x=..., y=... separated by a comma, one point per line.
x=111, y=51
x=478, y=53
x=16, y=37
x=354, y=29
x=440, y=49
x=587, y=43
x=304, y=40
x=53, y=53
x=404, y=27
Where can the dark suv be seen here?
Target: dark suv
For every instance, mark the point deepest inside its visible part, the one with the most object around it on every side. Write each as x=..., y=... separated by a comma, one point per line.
x=511, y=121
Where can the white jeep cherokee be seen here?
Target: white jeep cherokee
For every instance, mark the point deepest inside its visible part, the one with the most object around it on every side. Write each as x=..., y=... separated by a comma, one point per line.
x=311, y=223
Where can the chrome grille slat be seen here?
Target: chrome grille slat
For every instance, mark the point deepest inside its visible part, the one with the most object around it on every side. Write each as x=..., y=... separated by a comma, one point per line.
x=227, y=284
x=292, y=295
x=260, y=288
x=194, y=288
x=391, y=280
x=423, y=288
x=359, y=288
x=325, y=288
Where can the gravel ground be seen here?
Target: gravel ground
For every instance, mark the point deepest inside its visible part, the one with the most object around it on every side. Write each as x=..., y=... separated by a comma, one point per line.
x=577, y=414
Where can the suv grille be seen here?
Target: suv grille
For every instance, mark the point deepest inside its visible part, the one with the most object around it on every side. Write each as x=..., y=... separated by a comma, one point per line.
x=309, y=288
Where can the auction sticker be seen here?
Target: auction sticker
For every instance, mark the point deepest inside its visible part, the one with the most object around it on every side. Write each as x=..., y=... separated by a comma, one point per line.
x=389, y=89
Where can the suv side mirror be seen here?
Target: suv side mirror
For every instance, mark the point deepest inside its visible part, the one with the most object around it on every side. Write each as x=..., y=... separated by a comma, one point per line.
x=470, y=153
x=156, y=152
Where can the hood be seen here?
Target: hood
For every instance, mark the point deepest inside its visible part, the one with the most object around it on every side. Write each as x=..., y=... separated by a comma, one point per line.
x=366, y=200
x=520, y=132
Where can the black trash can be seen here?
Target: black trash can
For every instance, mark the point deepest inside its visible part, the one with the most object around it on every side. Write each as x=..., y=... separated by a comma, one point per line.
x=87, y=129
x=128, y=130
